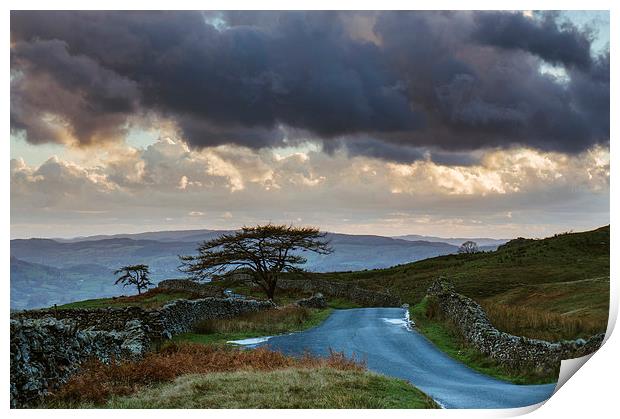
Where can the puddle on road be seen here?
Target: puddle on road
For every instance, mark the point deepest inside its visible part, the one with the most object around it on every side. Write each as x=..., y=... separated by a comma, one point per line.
x=404, y=322
x=250, y=341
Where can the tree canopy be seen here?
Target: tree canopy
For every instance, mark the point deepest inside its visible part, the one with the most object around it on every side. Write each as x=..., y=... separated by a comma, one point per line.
x=264, y=251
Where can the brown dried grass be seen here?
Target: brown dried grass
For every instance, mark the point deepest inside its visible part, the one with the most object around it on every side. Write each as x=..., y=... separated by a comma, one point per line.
x=539, y=324
x=97, y=382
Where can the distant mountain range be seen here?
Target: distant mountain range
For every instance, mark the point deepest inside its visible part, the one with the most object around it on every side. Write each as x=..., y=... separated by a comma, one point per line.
x=53, y=271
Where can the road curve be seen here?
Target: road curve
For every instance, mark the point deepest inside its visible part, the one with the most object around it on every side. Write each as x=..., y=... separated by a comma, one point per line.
x=379, y=336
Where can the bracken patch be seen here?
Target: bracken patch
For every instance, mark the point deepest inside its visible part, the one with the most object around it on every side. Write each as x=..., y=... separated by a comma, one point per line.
x=97, y=382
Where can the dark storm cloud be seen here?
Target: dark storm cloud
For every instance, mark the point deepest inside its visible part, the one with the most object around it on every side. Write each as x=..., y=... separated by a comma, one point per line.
x=455, y=159
x=303, y=72
x=451, y=81
x=555, y=43
x=400, y=153
x=381, y=150
x=92, y=99
x=592, y=95
x=478, y=96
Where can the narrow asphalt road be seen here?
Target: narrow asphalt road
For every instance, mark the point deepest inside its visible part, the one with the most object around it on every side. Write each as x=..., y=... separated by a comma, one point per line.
x=380, y=337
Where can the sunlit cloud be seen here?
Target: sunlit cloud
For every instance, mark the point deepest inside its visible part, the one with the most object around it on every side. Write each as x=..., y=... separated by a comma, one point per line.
x=168, y=178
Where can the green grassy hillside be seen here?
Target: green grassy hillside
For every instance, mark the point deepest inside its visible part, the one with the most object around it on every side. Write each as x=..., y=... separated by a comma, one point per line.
x=562, y=258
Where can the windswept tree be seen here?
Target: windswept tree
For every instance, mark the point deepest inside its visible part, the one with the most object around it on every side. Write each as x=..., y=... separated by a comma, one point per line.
x=263, y=251
x=469, y=247
x=136, y=275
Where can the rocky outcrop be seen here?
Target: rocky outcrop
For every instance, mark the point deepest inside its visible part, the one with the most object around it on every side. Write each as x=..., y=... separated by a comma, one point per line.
x=515, y=352
x=316, y=301
x=45, y=352
x=349, y=292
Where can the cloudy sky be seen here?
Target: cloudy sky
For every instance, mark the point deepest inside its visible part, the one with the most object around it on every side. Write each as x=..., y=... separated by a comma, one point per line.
x=442, y=123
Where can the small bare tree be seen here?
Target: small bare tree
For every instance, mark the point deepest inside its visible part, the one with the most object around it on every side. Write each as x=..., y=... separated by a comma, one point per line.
x=469, y=247
x=136, y=275
x=263, y=251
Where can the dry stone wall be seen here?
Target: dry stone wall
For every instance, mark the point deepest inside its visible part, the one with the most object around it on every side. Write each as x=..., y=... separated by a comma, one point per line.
x=181, y=315
x=93, y=319
x=513, y=351
x=178, y=316
x=349, y=292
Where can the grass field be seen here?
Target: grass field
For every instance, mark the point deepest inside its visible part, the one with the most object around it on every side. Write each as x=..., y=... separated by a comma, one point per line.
x=200, y=376
x=448, y=339
x=319, y=388
x=151, y=299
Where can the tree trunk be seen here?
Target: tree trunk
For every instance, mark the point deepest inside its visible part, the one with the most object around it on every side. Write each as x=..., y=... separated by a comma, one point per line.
x=267, y=282
x=271, y=287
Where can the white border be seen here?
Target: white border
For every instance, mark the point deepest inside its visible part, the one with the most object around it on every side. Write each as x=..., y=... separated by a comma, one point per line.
x=593, y=391
x=315, y=5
